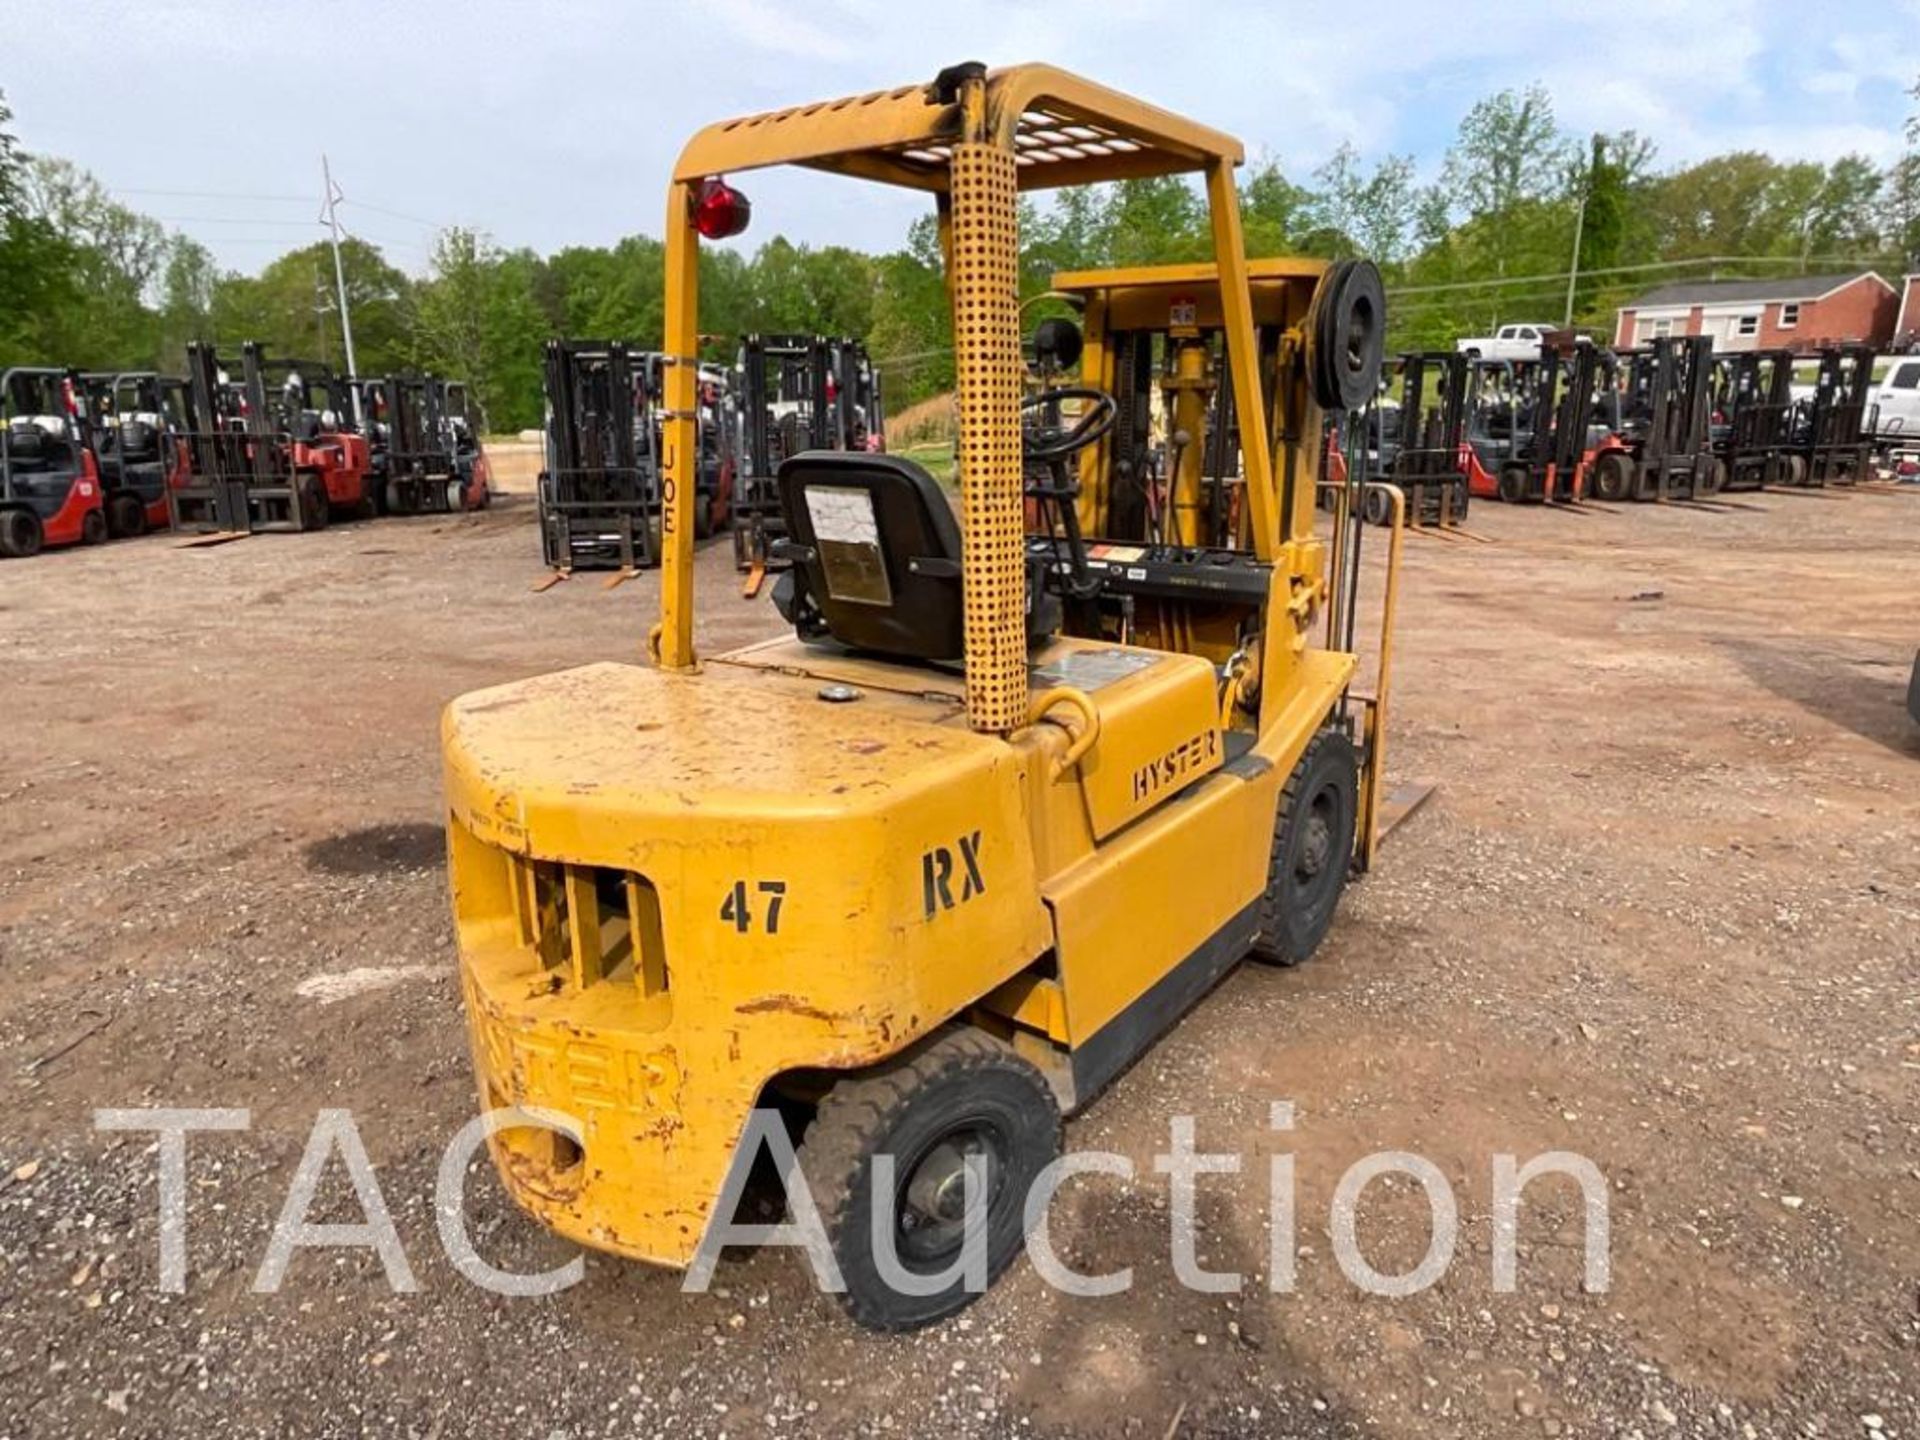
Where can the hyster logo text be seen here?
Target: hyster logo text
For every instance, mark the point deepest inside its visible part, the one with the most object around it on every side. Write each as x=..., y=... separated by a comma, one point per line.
x=1178, y=763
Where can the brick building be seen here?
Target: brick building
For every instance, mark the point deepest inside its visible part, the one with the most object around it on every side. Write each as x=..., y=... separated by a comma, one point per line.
x=1906, y=327
x=1793, y=312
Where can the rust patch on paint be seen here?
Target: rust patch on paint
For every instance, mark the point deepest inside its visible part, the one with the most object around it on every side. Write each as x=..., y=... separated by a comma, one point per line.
x=788, y=1005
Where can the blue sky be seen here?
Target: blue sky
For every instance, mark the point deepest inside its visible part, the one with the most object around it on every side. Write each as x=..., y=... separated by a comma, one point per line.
x=549, y=124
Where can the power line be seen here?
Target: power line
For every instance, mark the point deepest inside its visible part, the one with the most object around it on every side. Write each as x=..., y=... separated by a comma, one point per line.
x=214, y=195
x=232, y=220
x=1557, y=276
x=396, y=214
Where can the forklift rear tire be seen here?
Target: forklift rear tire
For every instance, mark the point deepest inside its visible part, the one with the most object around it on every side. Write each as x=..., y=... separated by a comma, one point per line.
x=962, y=1095
x=1312, y=850
x=21, y=533
x=1513, y=483
x=126, y=517
x=1612, y=475
x=93, y=528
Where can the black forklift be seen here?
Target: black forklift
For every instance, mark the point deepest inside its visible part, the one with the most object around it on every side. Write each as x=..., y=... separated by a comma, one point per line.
x=415, y=467
x=599, y=499
x=797, y=392
x=1752, y=419
x=1665, y=451
x=1416, y=444
x=1830, y=432
x=231, y=449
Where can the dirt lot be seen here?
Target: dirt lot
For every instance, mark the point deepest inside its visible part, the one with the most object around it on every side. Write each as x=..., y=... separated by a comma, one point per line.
x=1664, y=911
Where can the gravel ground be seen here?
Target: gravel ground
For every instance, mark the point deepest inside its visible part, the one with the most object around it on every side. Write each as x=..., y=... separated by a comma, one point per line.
x=1664, y=911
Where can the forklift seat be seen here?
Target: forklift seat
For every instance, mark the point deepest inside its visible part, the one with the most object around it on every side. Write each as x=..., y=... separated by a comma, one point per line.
x=876, y=547
x=27, y=442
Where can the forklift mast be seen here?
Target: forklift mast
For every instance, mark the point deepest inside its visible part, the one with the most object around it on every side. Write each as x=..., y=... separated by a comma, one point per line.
x=1423, y=459
x=600, y=490
x=830, y=398
x=1830, y=429
x=230, y=446
x=1669, y=408
x=1752, y=417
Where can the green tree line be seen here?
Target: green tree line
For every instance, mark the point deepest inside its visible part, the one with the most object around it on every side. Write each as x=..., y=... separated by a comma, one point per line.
x=1491, y=236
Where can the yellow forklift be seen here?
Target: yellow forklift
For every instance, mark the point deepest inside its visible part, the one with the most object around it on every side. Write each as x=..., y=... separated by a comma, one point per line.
x=1024, y=790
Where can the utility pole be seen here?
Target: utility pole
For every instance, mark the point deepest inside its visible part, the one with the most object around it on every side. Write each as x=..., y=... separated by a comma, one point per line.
x=1573, y=269
x=332, y=222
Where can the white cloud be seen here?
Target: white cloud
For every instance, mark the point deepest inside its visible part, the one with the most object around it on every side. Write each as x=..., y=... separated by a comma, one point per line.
x=782, y=28
x=552, y=125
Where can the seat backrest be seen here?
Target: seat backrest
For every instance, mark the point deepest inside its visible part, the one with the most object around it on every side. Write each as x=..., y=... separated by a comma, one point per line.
x=879, y=549
x=25, y=438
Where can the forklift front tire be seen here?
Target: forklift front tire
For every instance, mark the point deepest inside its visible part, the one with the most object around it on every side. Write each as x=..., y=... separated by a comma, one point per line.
x=126, y=516
x=962, y=1099
x=1513, y=483
x=1312, y=850
x=21, y=533
x=1612, y=475
x=315, y=511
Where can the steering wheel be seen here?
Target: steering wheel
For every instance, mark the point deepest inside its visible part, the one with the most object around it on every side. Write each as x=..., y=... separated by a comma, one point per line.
x=1052, y=443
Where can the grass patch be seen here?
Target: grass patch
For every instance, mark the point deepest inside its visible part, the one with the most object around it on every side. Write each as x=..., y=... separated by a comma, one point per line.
x=936, y=458
x=928, y=422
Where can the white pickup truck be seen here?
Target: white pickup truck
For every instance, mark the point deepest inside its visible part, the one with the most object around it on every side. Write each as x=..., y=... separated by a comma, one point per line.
x=1509, y=342
x=1895, y=404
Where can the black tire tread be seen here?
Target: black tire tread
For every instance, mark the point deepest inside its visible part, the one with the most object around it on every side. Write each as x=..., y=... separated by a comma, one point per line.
x=1266, y=945
x=857, y=1111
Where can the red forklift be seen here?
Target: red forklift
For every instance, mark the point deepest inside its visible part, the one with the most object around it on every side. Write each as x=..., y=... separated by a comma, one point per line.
x=274, y=450
x=1533, y=436
x=137, y=420
x=312, y=415
x=1499, y=419
x=1665, y=450
x=470, y=465
x=50, y=490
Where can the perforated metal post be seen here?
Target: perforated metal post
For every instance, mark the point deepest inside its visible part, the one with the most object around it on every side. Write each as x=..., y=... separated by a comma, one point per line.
x=986, y=341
